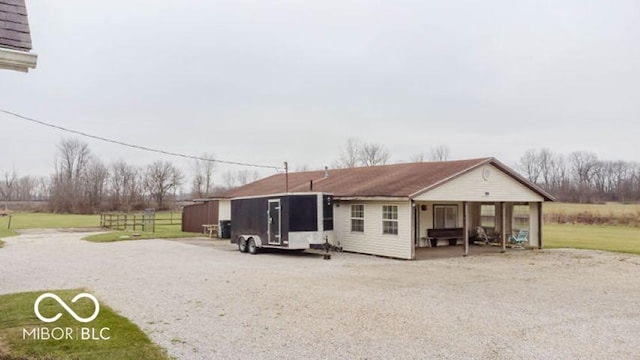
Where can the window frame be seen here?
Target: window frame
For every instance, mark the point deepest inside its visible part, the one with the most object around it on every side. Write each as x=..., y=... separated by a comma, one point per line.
x=445, y=206
x=356, y=218
x=389, y=221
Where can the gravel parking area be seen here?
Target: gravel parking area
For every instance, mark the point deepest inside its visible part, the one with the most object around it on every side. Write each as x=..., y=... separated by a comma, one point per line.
x=204, y=300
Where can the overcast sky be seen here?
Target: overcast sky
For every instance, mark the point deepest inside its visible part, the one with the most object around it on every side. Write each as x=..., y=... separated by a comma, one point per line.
x=269, y=81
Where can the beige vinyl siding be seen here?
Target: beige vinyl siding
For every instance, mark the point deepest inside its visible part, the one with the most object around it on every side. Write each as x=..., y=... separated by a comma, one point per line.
x=372, y=240
x=224, y=209
x=472, y=186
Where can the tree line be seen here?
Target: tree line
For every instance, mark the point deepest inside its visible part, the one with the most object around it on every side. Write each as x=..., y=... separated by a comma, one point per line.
x=82, y=183
x=581, y=177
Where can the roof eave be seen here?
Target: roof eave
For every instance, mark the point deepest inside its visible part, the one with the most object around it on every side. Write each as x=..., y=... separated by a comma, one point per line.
x=17, y=60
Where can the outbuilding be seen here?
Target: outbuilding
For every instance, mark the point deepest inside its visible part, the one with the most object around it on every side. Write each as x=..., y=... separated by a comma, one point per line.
x=401, y=210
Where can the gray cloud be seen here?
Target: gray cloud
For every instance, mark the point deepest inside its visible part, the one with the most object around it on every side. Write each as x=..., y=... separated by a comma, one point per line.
x=268, y=81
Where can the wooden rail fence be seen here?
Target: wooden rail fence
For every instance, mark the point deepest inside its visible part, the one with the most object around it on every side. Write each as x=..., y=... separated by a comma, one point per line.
x=138, y=222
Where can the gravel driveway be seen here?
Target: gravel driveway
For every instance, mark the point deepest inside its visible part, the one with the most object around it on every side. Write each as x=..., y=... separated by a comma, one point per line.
x=205, y=302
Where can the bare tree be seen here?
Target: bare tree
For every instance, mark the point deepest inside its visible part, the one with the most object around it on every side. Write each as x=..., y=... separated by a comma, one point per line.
x=160, y=179
x=125, y=186
x=350, y=154
x=202, y=183
x=583, y=165
x=530, y=165
x=72, y=160
x=419, y=157
x=238, y=178
x=94, y=183
x=440, y=153
x=546, y=161
x=7, y=187
x=359, y=153
x=372, y=154
x=26, y=187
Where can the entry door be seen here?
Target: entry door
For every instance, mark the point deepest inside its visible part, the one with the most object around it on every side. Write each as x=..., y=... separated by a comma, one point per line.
x=274, y=222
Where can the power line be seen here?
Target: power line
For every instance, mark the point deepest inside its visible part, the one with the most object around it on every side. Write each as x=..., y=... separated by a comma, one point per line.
x=139, y=147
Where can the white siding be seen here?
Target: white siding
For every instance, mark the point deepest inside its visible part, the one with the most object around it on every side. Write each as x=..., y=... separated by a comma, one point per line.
x=224, y=210
x=372, y=241
x=472, y=186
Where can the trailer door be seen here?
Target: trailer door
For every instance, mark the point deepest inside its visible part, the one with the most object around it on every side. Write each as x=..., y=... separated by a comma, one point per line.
x=274, y=222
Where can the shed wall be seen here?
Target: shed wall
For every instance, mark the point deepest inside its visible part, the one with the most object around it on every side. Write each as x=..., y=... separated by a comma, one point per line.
x=196, y=215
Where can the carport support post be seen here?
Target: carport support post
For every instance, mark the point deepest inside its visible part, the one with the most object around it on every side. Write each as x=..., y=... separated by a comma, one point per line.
x=504, y=226
x=540, y=220
x=465, y=228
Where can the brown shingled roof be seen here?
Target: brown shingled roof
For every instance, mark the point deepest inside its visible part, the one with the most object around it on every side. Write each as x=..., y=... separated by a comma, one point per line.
x=397, y=180
x=14, y=25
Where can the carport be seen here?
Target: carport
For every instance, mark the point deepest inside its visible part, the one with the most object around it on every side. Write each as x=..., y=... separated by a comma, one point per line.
x=446, y=229
x=477, y=212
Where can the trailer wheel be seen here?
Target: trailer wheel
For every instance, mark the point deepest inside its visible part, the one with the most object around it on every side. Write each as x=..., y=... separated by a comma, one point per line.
x=242, y=245
x=253, y=249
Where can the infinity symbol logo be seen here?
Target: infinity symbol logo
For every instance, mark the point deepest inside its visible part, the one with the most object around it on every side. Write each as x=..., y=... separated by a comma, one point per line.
x=66, y=307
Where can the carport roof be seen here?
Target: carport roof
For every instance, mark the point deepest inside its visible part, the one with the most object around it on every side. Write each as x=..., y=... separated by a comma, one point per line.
x=397, y=180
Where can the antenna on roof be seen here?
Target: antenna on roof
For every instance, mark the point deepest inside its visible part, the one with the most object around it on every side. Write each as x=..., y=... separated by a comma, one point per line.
x=286, y=177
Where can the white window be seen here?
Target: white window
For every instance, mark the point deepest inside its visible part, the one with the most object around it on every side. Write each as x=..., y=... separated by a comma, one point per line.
x=390, y=219
x=445, y=216
x=488, y=215
x=357, y=218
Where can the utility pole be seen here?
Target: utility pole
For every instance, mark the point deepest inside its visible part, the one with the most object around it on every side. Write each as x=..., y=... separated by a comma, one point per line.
x=286, y=177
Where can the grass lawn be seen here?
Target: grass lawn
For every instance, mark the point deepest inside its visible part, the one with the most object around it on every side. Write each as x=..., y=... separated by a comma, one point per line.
x=594, y=237
x=51, y=221
x=44, y=221
x=48, y=221
x=126, y=341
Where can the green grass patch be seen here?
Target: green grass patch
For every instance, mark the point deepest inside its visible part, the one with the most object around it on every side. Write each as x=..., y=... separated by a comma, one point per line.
x=162, y=232
x=594, y=237
x=126, y=340
x=21, y=220
x=1, y=243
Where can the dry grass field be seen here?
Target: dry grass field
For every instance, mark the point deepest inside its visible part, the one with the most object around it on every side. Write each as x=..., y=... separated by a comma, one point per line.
x=596, y=214
x=613, y=209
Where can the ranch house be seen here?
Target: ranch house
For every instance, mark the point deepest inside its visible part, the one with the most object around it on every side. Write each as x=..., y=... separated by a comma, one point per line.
x=405, y=210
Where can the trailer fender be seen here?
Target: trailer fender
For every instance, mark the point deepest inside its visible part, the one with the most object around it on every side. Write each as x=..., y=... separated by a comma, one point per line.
x=256, y=239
